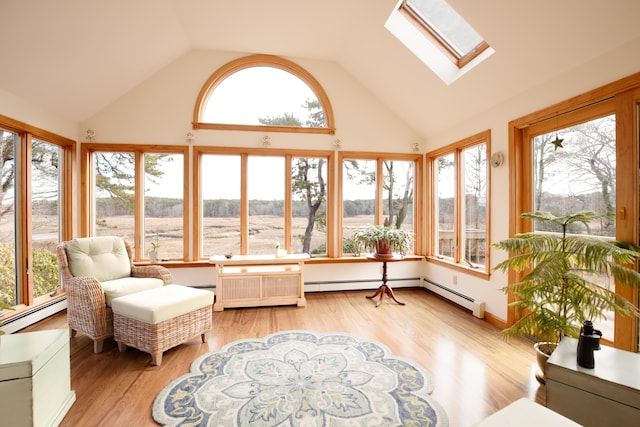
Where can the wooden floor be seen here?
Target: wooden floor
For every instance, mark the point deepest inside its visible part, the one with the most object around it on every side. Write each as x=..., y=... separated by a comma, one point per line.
x=475, y=372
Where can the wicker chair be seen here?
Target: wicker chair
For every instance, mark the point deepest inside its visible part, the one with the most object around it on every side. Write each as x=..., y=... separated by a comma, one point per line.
x=88, y=308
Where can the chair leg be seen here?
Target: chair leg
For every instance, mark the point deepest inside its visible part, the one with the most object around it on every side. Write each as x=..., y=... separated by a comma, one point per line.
x=122, y=347
x=204, y=337
x=72, y=332
x=156, y=359
x=97, y=346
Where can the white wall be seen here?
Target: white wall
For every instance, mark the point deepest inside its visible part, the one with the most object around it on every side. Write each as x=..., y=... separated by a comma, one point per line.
x=160, y=111
x=325, y=277
x=22, y=110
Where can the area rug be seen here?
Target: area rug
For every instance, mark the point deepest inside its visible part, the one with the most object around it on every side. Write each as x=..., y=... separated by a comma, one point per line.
x=301, y=379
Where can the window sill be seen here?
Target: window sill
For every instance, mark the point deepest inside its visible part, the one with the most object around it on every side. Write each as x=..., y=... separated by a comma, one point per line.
x=22, y=310
x=312, y=260
x=477, y=272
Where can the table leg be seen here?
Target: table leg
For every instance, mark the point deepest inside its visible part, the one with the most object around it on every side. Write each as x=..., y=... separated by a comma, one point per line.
x=385, y=289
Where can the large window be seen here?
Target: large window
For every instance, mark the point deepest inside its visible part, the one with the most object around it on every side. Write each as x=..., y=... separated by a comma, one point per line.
x=46, y=214
x=582, y=154
x=378, y=189
x=137, y=193
x=250, y=201
x=34, y=205
x=263, y=93
x=459, y=208
x=574, y=169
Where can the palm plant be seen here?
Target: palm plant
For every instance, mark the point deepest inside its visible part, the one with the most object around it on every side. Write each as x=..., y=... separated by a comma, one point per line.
x=557, y=292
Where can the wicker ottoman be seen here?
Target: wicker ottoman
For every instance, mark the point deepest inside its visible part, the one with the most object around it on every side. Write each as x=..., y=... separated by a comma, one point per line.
x=158, y=319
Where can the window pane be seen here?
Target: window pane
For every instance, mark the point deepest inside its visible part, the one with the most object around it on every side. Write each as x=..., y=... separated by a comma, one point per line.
x=309, y=205
x=398, y=193
x=266, y=204
x=8, y=149
x=445, y=206
x=359, y=199
x=575, y=170
x=164, y=204
x=264, y=96
x=577, y=174
x=45, y=199
x=220, y=188
x=474, y=233
x=443, y=20
x=114, y=178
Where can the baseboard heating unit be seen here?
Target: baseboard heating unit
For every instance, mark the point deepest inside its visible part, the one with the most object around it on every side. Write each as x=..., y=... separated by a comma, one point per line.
x=476, y=307
x=28, y=318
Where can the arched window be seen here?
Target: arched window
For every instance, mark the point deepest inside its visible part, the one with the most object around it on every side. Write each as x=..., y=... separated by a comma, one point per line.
x=263, y=93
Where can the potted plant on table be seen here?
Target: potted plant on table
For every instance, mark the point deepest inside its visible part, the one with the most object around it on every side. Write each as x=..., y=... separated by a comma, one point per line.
x=383, y=240
x=557, y=290
x=154, y=252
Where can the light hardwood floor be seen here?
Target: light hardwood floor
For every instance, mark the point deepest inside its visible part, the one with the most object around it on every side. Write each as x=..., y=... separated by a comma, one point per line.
x=475, y=372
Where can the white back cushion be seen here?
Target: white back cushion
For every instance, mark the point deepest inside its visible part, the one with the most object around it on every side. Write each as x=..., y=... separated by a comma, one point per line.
x=104, y=258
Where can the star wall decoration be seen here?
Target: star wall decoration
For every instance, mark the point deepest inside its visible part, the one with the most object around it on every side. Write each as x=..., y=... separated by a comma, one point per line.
x=557, y=142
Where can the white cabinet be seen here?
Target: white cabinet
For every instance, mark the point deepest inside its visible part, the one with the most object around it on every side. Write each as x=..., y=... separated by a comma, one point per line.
x=608, y=395
x=35, y=386
x=259, y=280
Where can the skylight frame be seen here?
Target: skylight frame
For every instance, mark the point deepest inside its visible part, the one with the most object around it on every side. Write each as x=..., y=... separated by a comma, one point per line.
x=458, y=57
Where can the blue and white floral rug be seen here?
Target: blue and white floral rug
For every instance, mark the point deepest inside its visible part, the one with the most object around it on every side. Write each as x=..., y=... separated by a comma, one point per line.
x=301, y=379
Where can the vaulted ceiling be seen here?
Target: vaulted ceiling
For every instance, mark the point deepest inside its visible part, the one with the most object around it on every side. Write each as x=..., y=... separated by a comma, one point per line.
x=75, y=57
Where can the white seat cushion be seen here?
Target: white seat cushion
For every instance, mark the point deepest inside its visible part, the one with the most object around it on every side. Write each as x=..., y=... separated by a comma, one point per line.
x=156, y=305
x=128, y=285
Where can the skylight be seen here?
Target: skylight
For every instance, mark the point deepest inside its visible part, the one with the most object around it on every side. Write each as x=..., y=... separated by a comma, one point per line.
x=434, y=32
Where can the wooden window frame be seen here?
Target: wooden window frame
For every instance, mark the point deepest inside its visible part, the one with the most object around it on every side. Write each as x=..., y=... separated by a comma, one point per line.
x=434, y=37
x=625, y=98
x=23, y=203
x=87, y=192
x=262, y=61
x=456, y=148
x=244, y=154
x=418, y=189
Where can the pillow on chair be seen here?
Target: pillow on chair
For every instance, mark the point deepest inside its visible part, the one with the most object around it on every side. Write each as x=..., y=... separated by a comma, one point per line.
x=104, y=258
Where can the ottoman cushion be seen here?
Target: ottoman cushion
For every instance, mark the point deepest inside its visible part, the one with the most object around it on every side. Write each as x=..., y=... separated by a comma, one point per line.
x=128, y=285
x=156, y=305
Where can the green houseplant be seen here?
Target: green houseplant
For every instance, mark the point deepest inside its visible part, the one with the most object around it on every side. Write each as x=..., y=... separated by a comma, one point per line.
x=383, y=240
x=557, y=290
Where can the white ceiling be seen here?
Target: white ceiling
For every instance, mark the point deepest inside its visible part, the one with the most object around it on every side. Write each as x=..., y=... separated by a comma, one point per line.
x=75, y=57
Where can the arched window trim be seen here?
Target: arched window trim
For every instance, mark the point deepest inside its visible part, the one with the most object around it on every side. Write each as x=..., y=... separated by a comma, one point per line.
x=262, y=61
